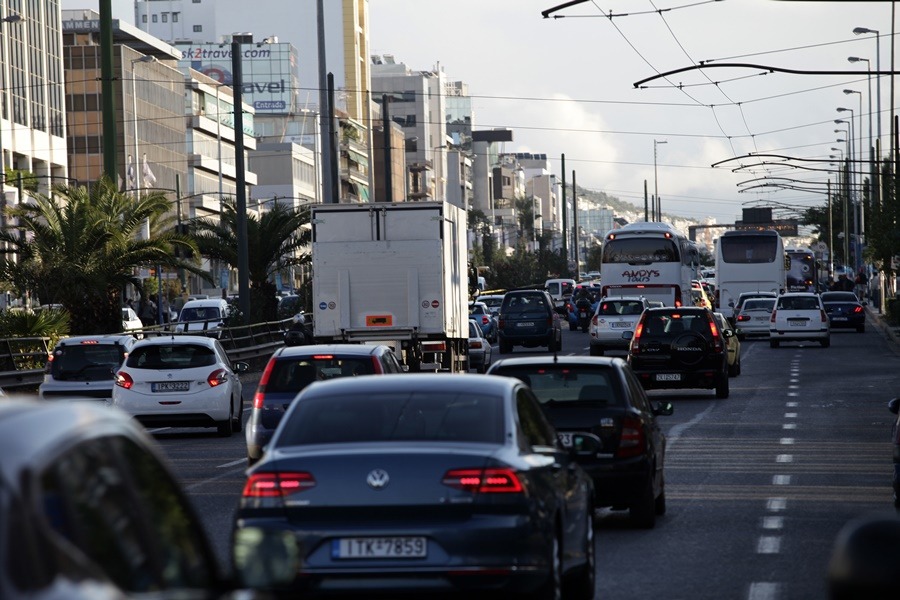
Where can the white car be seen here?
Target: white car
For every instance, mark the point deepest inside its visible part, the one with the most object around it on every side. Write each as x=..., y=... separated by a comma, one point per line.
x=181, y=381
x=613, y=323
x=753, y=317
x=130, y=321
x=799, y=316
x=202, y=316
x=480, y=351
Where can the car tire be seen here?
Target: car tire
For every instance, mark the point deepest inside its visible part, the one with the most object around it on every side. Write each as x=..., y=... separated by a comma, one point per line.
x=238, y=422
x=596, y=351
x=722, y=386
x=584, y=582
x=660, y=503
x=225, y=428
x=505, y=347
x=826, y=342
x=735, y=369
x=552, y=588
x=642, y=513
x=773, y=343
x=251, y=461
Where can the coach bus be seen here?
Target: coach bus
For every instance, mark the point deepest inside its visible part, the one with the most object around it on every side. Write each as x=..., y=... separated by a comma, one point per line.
x=748, y=261
x=653, y=260
x=802, y=271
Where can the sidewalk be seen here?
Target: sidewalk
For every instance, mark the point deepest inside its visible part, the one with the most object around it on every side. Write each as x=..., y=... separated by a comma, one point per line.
x=891, y=333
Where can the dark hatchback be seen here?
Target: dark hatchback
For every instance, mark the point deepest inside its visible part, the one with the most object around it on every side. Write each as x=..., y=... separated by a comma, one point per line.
x=424, y=484
x=602, y=397
x=527, y=318
x=676, y=348
x=844, y=310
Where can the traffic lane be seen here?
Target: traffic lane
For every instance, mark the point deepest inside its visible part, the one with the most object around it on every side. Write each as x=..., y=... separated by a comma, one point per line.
x=750, y=513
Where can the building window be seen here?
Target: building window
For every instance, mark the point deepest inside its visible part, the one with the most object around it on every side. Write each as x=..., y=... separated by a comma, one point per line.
x=155, y=18
x=174, y=17
x=165, y=17
x=143, y=18
x=196, y=1
x=198, y=28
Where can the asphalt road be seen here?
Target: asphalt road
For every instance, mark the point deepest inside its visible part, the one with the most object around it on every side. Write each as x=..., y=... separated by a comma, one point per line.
x=758, y=485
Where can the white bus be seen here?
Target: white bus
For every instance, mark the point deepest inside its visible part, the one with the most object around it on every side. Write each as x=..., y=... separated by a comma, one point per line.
x=748, y=261
x=653, y=260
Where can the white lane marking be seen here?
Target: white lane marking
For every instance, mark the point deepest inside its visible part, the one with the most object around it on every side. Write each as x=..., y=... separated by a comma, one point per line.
x=790, y=415
x=792, y=404
x=784, y=458
x=793, y=387
x=789, y=426
x=679, y=429
x=781, y=480
x=794, y=380
x=793, y=394
x=768, y=544
x=787, y=441
x=772, y=522
x=223, y=475
x=232, y=463
x=776, y=504
x=763, y=590
x=157, y=430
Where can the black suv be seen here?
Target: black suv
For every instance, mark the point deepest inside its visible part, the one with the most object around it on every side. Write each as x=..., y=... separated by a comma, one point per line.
x=680, y=348
x=527, y=318
x=599, y=403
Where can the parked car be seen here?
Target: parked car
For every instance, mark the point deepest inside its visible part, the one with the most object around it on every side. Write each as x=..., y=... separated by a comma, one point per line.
x=181, y=381
x=527, y=318
x=797, y=317
x=203, y=317
x=680, y=348
x=479, y=348
x=84, y=367
x=291, y=369
x=732, y=344
x=449, y=483
x=92, y=510
x=130, y=321
x=486, y=319
x=753, y=317
x=613, y=323
x=603, y=398
x=844, y=310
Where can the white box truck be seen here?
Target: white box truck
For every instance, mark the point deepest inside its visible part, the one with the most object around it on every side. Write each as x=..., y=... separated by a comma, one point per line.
x=393, y=272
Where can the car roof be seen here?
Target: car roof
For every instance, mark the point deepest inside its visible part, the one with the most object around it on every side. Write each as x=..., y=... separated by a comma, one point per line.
x=799, y=294
x=343, y=349
x=168, y=340
x=628, y=298
x=539, y=361
x=412, y=382
x=100, y=339
x=206, y=302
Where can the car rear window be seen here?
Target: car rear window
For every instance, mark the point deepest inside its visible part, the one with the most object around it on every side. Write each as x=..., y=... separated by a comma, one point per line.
x=200, y=313
x=759, y=303
x=171, y=356
x=620, y=307
x=798, y=303
x=563, y=384
x=526, y=304
x=416, y=416
x=294, y=374
x=839, y=297
x=86, y=362
x=669, y=324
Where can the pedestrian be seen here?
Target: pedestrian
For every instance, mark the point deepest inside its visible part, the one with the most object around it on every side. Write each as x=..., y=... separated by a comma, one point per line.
x=148, y=312
x=862, y=284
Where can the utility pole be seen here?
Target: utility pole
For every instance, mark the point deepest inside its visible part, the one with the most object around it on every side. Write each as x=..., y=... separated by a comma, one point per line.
x=645, y=202
x=565, y=232
x=243, y=253
x=324, y=118
x=107, y=96
x=575, y=224
x=655, y=186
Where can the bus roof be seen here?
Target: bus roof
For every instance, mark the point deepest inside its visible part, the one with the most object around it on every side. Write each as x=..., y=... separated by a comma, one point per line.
x=645, y=227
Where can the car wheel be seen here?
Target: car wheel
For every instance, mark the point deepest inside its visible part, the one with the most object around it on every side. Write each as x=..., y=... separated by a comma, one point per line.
x=238, y=422
x=224, y=428
x=660, y=503
x=738, y=371
x=826, y=342
x=251, y=461
x=596, y=351
x=552, y=588
x=722, y=386
x=773, y=343
x=505, y=347
x=643, y=512
x=584, y=583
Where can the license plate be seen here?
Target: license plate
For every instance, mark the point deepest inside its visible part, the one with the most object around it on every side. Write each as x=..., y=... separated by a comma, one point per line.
x=380, y=547
x=838, y=318
x=668, y=377
x=525, y=324
x=797, y=323
x=620, y=325
x=583, y=314
x=761, y=319
x=170, y=386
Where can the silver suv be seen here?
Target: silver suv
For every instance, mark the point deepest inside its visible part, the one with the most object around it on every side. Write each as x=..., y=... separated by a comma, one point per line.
x=613, y=323
x=84, y=367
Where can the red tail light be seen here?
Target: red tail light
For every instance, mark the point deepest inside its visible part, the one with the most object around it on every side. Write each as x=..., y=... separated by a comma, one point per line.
x=376, y=366
x=217, y=377
x=485, y=320
x=857, y=309
x=824, y=316
x=475, y=344
x=277, y=485
x=772, y=318
x=742, y=318
x=483, y=481
x=632, y=442
x=636, y=338
x=678, y=302
x=717, y=339
x=124, y=380
x=260, y=395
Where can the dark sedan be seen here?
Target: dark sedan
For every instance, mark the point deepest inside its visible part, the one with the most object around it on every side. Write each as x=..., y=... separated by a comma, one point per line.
x=844, y=310
x=425, y=483
x=601, y=396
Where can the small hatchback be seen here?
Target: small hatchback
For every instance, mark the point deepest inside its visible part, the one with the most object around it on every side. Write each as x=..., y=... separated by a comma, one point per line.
x=84, y=367
x=527, y=318
x=798, y=317
x=614, y=321
x=290, y=370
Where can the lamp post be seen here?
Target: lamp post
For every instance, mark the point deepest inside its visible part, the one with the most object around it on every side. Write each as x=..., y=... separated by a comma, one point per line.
x=860, y=31
x=7, y=19
x=845, y=175
x=862, y=212
x=655, y=187
x=145, y=228
x=854, y=200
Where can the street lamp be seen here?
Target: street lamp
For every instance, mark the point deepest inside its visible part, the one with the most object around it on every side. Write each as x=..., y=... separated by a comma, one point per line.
x=7, y=19
x=655, y=187
x=862, y=212
x=860, y=31
x=874, y=192
x=145, y=227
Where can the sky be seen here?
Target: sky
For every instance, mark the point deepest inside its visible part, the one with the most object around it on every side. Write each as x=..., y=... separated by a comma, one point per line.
x=565, y=86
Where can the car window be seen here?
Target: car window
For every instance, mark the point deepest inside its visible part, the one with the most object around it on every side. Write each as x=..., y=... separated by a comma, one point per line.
x=171, y=356
x=386, y=417
x=474, y=330
x=207, y=313
x=526, y=304
x=86, y=362
x=560, y=384
x=798, y=303
x=839, y=297
x=534, y=426
x=636, y=391
x=759, y=303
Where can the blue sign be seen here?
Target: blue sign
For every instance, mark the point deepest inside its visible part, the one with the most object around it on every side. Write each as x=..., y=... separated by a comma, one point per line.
x=322, y=306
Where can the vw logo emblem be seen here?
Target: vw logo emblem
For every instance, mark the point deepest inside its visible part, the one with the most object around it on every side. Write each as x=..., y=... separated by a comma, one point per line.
x=378, y=479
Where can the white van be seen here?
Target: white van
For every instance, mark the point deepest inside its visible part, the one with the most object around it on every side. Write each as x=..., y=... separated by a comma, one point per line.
x=560, y=290
x=203, y=316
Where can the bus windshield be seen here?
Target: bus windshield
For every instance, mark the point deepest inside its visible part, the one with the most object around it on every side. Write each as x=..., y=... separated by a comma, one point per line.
x=748, y=249
x=640, y=251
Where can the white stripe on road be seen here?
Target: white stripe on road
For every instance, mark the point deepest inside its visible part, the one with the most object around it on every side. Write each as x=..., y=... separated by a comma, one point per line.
x=784, y=458
x=232, y=463
x=677, y=430
x=763, y=590
x=792, y=404
x=789, y=426
x=776, y=504
x=768, y=544
x=773, y=522
x=787, y=441
x=781, y=480
x=790, y=415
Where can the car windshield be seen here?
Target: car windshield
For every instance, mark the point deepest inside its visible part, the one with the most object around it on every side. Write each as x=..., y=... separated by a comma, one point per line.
x=620, y=307
x=406, y=416
x=667, y=324
x=86, y=362
x=760, y=304
x=477, y=309
x=205, y=313
x=171, y=356
x=526, y=304
x=839, y=297
x=567, y=384
x=473, y=330
x=798, y=303
x=294, y=374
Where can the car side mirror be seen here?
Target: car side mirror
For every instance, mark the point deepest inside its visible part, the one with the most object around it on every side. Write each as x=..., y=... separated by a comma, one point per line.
x=241, y=367
x=894, y=406
x=585, y=444
x=728, y=333
x=663, y=409
x=265, y=559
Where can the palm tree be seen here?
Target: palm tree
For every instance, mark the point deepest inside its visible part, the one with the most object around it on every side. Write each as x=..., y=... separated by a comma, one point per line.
x=276, y=240
x=80, y=248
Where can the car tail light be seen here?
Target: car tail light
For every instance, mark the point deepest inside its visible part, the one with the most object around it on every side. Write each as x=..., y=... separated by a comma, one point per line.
x=742, y=318
x=678, y=302
x=857, y=309
x=632, y=441
x=217, y=377
x=636, y=338
x=49, y=364
x=376, y=366
x=772, y=318
x=475, y=344
x=124, y=380
x=824, y=316
x=717, y=338
x=484, y=320
x=260, y=395
x=277, y=485
x=483, y=481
